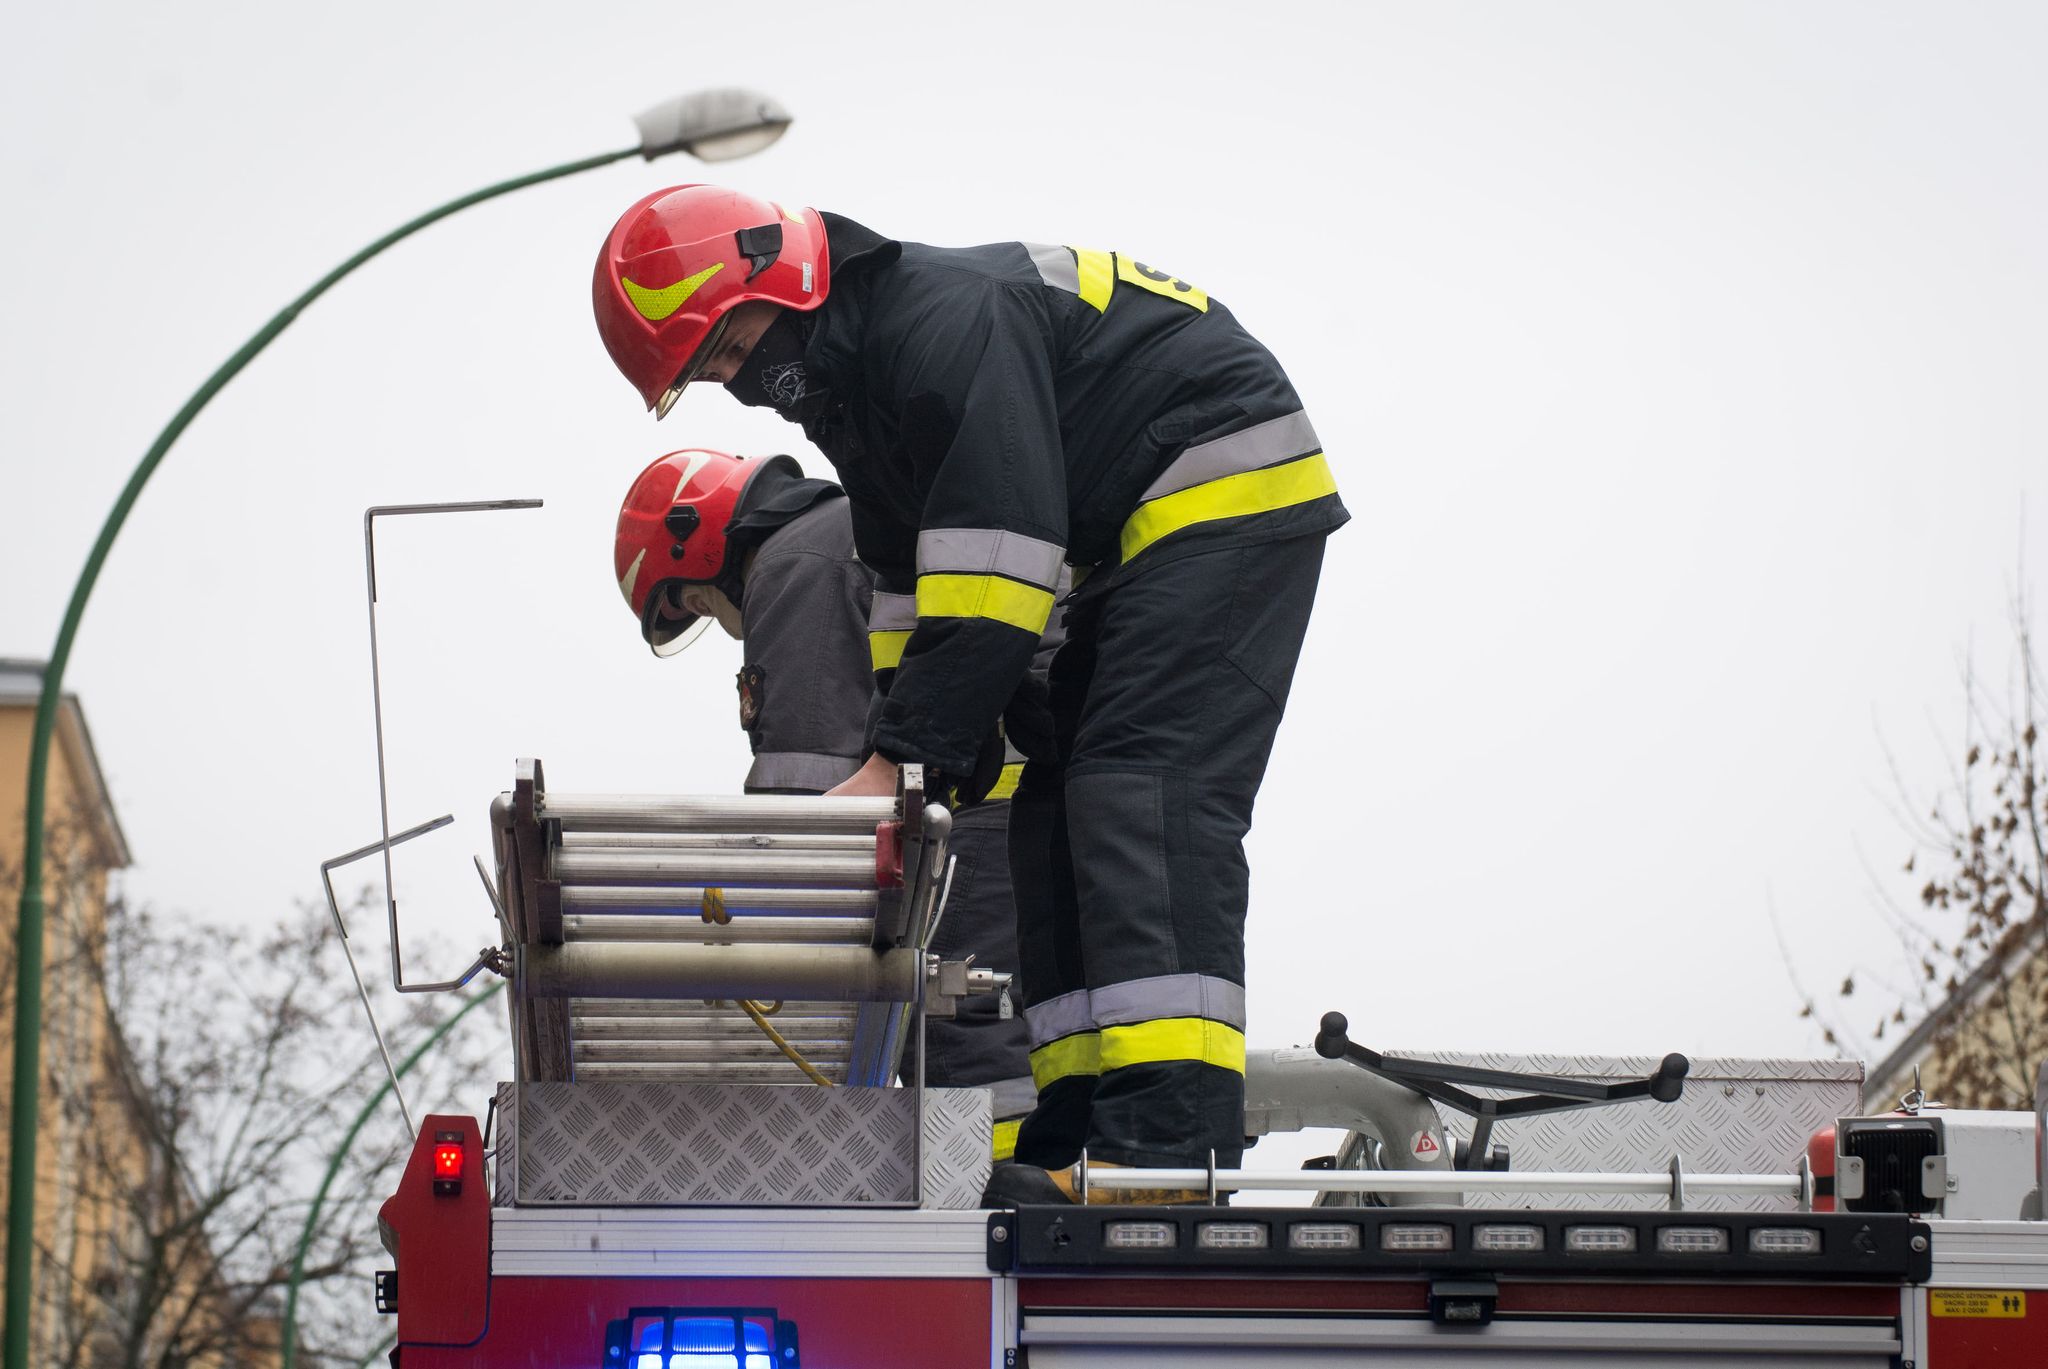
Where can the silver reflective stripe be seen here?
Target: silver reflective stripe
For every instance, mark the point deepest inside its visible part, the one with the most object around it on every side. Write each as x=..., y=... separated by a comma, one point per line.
x=893, y=613
x=1010, y=1098
x=1011, y=755
x=1055, y=266
x=1169, y=995
x=985, y=551
x=1057, y=1017
x=1262, y=444
x=800, y=770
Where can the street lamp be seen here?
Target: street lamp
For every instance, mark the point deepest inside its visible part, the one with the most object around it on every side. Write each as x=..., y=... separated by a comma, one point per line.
x=712, y=125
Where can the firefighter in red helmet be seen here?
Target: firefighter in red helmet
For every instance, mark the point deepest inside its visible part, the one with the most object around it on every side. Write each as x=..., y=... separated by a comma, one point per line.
x=997, y=413
x=768, y=554
x=686, y=283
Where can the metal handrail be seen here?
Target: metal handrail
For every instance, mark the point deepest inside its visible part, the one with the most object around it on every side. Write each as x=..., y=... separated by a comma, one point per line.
x=1674, y=1184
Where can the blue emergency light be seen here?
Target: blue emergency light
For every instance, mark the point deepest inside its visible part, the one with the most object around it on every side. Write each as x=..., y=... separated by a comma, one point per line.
x=701, y=1338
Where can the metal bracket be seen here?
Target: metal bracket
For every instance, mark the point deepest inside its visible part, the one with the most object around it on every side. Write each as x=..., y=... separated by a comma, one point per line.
x=370, y=517
x=894, y=904
x=946, y=982
x=327, y=869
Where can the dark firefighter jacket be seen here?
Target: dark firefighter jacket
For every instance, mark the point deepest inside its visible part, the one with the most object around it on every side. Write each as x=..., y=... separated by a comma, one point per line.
x=805, y=688
x=995, y=411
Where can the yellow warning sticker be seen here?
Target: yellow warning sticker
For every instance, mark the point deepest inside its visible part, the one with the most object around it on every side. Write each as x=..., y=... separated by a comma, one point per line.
x=1976, y=1302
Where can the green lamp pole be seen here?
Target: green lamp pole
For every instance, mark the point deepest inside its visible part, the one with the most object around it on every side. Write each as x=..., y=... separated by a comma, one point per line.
x=712, y=125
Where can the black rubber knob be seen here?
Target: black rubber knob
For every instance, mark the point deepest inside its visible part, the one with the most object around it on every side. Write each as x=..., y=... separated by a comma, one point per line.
x=1669, y=1081
x=1331, y=1040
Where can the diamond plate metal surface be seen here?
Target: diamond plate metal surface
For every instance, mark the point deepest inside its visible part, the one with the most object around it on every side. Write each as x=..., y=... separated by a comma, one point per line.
x=668, y=1144
x=1735, y=1117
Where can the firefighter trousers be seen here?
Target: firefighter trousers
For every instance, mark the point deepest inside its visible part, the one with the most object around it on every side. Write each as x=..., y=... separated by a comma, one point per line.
x=1127, y=853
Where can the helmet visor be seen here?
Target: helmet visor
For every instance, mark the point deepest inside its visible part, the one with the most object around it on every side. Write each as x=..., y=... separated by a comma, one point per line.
x=668, y=626
x=699, y=359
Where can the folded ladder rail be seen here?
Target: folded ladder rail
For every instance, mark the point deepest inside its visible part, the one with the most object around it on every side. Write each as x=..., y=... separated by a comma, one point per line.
x=640, y=920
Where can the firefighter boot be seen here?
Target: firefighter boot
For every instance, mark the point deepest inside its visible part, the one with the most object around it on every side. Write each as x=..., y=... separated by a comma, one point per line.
x=1013, y=1184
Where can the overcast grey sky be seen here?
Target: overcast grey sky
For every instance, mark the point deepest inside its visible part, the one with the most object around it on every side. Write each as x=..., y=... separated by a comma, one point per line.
x=1680, y=365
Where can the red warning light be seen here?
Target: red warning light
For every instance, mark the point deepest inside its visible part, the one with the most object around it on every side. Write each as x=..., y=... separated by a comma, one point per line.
x=448, y=1163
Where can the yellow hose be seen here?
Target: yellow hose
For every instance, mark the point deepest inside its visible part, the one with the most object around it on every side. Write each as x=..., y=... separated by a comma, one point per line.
x=714, y=912
x=760, y=1016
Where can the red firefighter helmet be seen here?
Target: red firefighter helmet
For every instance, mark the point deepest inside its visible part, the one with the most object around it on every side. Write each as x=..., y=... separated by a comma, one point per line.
x=672, y=534
x=679, y=260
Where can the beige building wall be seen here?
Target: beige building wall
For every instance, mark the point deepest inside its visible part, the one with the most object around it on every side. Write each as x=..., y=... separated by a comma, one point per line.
x=90, y=1151
x=1979, y=1021
x=76, y=1218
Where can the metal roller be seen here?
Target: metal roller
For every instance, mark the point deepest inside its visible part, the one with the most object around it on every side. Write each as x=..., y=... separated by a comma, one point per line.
x=618, y=866
x=837, y=931
x=819, y=842
x=689, y=898
x=758, y=1052
x=818, y=1030
x=694, y=1073
x=681, y=970
x=680, y=1010
x=753, y=813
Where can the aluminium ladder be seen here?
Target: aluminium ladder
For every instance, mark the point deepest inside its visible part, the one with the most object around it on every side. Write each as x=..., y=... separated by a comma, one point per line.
x=640, y=924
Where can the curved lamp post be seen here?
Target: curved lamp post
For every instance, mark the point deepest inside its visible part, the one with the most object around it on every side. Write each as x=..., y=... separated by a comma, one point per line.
x=712, y=125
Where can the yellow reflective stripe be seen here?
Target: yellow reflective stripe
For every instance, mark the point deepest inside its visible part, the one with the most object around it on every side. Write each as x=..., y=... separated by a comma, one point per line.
x=1006, y=783
x=984, y=596
x=1276, y=487
x=1005, y=1139
x=1080, y=1053
x=1173, y=1038
x=656, y=305
x=1098, y=276
x=1160, y=283
x=885, y=649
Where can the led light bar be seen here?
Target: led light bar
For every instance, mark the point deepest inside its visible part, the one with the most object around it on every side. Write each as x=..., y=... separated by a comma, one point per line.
x=1868, y=1248
x=1411, y=1236
x=1514, y=1236
x=1784, y=1240
x=1322, y=1236
x=1599, y=1240
x=1141, y=1235
x=1232, y=1236
x=1693, y=1240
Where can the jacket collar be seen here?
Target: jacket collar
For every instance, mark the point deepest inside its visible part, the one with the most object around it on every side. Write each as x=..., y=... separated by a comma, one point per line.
x=833, y=353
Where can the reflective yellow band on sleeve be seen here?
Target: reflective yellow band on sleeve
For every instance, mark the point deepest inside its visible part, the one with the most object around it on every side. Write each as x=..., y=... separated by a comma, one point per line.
x=1234, y=496
x=984, y=596
x=1005, y=1140
x=1080, y=1053
x=1098, y=276
x=885, y=649
x=1173, y=1039
x=1006, y=783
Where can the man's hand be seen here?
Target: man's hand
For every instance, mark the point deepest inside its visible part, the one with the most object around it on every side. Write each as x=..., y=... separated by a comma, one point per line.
x=876, y=779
